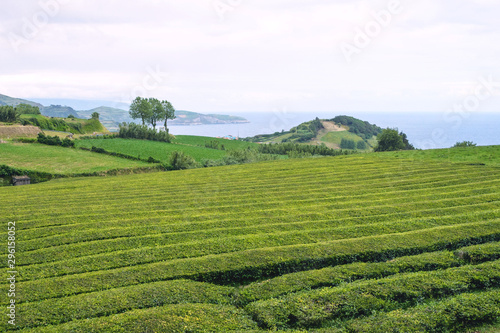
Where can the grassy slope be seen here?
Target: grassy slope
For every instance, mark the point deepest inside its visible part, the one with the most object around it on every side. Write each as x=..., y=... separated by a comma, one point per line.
x=60, y=160
x=489, y=155
x=201, y=223
x=143, y=148
x=200, y=141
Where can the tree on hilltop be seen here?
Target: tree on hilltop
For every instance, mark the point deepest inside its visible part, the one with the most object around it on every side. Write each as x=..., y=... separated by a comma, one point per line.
x=151, y=111
x=390, y=139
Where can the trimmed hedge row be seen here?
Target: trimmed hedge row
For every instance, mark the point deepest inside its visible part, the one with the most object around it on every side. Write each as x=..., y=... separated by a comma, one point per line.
x=251, y=265
x=180, y=318
x=143, y=250
x=109, y=302
x=455, y=314
x=333, y=276
x=311, y=308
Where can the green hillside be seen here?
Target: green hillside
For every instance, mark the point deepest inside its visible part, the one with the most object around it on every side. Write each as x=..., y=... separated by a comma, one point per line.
x=6, y=100
x=330, y=132
x=359, y=243
x=109, y=117
x=143, y=148
x=59, y=160
x=73, y=125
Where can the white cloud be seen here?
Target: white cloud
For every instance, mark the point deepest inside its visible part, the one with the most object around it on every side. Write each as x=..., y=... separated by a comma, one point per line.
x=262, y=53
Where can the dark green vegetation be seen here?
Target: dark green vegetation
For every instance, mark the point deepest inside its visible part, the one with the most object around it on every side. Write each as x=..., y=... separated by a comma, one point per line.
x=391, y=140
x=359, y=127
x=73, y=125
x=349, y=244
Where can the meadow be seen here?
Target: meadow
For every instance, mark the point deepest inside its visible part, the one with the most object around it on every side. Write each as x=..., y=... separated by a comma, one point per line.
x=360, y=243
x=144, y=149
x=59, y=160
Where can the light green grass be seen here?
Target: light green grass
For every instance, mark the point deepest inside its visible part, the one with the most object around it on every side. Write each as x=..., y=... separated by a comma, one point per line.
x=489, y=155
x=201, y=140
x=59, y=160
x=336, y=137
x=144, y=148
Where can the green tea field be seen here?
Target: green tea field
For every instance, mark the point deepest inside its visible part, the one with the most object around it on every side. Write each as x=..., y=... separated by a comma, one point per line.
x=360, y=243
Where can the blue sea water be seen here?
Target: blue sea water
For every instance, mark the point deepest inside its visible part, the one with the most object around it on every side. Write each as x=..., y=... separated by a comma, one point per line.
x=424, y=130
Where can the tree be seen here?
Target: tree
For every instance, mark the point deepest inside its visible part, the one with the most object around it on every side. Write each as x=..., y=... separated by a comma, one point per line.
x=157, y=111
x=389, y=140
x=95, y=115
x=169, y=112
x=27, y=109
x=141, y=108
x=464, y=144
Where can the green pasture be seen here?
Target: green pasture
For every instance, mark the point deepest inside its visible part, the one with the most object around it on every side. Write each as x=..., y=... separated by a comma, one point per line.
x=144, y=149
x=59, y=160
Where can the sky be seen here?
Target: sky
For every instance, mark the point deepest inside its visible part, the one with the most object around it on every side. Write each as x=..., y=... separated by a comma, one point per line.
x=257, y=55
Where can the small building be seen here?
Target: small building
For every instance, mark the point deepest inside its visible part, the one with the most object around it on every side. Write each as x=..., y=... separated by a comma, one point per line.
x=21, y=180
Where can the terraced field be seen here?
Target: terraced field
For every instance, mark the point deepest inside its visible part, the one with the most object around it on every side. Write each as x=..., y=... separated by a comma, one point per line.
x=346, y=244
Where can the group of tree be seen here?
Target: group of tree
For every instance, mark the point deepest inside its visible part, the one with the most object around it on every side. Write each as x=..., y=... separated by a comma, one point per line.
x=54, y=141
x=135, y=131
x=351, y=144
x=10, y=114
x=464, y=144
x=391, y=139
x=288, y=147
x=361, y=128
x=151, y=111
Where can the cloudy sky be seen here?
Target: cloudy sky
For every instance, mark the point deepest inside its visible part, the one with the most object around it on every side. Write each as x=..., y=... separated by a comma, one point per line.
x=255, y=55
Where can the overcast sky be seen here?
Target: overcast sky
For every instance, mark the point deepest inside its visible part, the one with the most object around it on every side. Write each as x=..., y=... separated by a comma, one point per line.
x=255, y=55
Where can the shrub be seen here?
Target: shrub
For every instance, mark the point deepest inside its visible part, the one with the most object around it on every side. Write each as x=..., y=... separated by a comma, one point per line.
x=180, y=161
x=464, y=144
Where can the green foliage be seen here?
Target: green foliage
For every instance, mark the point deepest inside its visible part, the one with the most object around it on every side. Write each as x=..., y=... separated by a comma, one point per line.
x=80, y=126
x=118, y=251
x=57, y=311
x=455, y=314
x=8, y=114
x=310, y=308
x=151, y=110
x=168, y=318
x=180, y=161
x=214, y=144
x=347, y=144
x=333, y=276
x=95, y=115
x=54, y=141
x=295, y=148
x=134, y=131
x=464, y=144
x=389, y=140
x=27, y=109
x=144, y=148
x=362, y=128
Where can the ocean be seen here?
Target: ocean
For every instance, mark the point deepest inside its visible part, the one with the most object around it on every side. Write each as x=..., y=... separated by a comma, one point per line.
x=424, y=130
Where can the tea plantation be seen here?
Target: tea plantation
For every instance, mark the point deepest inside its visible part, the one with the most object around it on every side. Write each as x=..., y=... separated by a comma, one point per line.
x=360, y=243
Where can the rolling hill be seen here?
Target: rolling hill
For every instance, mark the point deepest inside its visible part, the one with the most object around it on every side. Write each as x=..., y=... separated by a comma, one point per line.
x=360, y=243
x=330, y=132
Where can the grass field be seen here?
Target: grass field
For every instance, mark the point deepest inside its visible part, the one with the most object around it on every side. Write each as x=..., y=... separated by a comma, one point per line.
x=200, y=141
x=489, y=155
x=58, y=160
x=360, y=243
x=144, y=149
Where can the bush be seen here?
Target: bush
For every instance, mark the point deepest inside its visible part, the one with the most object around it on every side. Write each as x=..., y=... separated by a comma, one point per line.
x=464, y=144
x=180, y=161
x=134, y=131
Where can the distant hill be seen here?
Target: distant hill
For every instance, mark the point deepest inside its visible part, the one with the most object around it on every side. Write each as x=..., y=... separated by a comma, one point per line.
x=58, y=111
x=340, y=132
x=6, y=100
x=109, y=117
x=194, y=118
